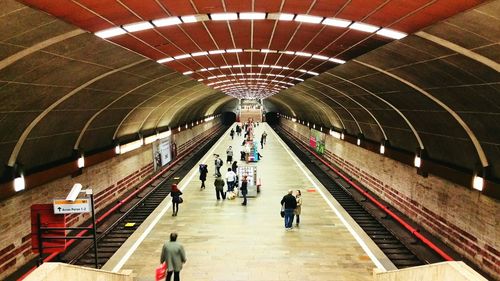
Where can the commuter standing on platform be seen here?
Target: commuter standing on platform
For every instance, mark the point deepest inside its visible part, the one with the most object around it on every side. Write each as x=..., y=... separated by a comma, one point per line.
x=244, y=189
x=219, y=188
x=231, y=179
x=203, y=174
x=176, y=199
x=298, y=198
x=218, y=164
x=263, y=138
x=232, y=134
x=174, y=255
x=235, y=166
x=229, y=153
x=289, y=204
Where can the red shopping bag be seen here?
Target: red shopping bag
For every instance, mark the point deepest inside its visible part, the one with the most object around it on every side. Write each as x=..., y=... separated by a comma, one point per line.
x=161, y=271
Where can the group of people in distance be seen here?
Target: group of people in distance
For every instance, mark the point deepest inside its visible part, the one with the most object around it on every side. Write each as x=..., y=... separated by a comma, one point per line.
x=173, y=252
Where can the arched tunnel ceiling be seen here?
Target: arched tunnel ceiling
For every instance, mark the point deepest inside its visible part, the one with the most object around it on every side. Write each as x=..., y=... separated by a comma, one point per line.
x=265, y=46
x=438, y=89
x=63, y=89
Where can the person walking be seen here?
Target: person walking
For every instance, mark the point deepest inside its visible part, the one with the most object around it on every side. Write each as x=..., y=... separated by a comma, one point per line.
x=218, y=165
x=176, y=199
x=244, y=189
x=298, y=209
x=219, y=188
x=289, y=204
x=230, y=179
x=229, y=155
x=263, y=138
x=232, y=134
x=203, y=174
x=174, y=255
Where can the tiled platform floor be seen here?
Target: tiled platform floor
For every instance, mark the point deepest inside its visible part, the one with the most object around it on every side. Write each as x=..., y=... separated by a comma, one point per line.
x=227, y=241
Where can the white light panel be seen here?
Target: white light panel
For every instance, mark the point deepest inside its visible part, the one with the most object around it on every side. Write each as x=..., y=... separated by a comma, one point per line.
x=224, y=16
x=308, y=18
x=387, y=32
x=138, y=26
x=252, y=16
x=167, y=21
x=108, y=33
x=363, y=27
x=336, y=22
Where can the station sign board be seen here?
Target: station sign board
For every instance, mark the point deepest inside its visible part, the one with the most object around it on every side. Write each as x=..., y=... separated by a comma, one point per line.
x=62, y=206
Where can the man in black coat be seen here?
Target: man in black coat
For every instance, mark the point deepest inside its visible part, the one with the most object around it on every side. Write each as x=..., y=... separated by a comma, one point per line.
x=289, y=203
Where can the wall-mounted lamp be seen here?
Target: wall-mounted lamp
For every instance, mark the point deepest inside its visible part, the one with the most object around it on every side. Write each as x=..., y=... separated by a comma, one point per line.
x=19, y=182
x=479, y=177
x=383, y=144
x=417, y=162
x=80, y=162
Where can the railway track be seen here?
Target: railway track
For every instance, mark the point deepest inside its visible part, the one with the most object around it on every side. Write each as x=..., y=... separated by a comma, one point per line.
x=400, y=246
x=113, y=232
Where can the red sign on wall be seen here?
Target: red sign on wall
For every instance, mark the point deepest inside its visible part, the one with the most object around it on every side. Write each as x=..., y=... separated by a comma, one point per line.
x=47, y=219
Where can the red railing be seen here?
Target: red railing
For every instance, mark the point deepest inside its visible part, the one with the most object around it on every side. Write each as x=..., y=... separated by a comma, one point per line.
x=128, y=198
x=411, y=229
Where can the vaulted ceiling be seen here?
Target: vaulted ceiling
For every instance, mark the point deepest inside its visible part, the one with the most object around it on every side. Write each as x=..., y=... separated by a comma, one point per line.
x=415, y=73
x=252, y=48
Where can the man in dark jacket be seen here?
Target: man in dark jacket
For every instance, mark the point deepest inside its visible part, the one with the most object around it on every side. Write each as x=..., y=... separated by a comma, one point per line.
x=219, y=188
x=289, y=203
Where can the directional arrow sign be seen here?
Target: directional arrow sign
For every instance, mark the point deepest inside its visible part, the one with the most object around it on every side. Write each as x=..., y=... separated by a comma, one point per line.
x=62, y=206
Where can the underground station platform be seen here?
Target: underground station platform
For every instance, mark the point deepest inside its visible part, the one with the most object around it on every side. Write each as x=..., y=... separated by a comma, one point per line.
x=249, y=140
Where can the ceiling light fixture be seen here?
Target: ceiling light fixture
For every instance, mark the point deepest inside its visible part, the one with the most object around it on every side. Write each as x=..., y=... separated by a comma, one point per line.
x=197, y=54
x=215, y=52
x=391, y=33
x=320, y=57
x=111, y=32
x=224, y=16
x=165, y=60
x=308, y=19
x=336, y=60
x=336, y=22
x=187, y=72
x=179, y=57
x=363, y=27
x=303, y=54
x=281, y=16
x=252, y=16
x=167, y=21
x=138, y=26
x=234, y=50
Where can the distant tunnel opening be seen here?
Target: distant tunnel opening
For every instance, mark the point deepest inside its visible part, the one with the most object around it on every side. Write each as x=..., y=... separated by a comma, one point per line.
x=272, y=118
x=228, y=118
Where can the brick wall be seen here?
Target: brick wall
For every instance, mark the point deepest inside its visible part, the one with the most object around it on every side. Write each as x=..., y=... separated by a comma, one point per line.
x=460, y=216
x=109, y=180
x=186, y=138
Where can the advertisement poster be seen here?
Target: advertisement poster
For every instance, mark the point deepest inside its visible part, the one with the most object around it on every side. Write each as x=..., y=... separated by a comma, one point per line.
x=162, y=152
x=317, y=141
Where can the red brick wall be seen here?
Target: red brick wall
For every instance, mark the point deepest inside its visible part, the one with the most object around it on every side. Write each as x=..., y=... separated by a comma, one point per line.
x=109, y=180
x=463, y=218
